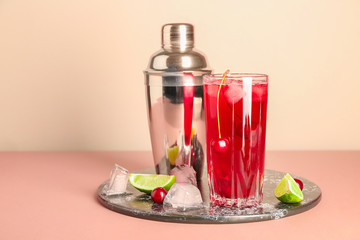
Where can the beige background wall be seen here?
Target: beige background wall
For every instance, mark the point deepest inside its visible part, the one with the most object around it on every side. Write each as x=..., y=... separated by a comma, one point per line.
x=71, y=71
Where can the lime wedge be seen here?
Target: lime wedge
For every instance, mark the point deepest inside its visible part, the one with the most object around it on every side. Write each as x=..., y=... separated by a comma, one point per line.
x=192, y=133
x=147, y=182
x=172, y=154
x=288, y=191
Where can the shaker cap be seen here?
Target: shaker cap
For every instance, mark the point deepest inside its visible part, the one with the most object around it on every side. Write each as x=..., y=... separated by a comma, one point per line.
x=177, y=53
x=177, y=36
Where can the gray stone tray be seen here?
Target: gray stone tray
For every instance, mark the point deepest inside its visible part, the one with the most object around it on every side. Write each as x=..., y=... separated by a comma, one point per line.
x=137, y=204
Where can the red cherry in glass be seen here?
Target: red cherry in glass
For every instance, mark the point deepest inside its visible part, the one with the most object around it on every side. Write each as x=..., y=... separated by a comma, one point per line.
x=220, y=145
x=158, y=194
x=300, y=183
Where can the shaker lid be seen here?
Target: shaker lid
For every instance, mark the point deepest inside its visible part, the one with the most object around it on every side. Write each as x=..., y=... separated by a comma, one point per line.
x=177, y=53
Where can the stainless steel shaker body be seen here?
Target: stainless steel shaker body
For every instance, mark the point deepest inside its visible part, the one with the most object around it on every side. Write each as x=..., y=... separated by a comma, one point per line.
x=175, y=101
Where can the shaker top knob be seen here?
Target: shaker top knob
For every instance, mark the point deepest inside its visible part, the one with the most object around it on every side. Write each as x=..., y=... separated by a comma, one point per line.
x=177, y=53
x=177, y=36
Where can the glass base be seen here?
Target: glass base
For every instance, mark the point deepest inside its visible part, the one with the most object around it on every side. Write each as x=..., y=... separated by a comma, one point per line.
x=217, y=200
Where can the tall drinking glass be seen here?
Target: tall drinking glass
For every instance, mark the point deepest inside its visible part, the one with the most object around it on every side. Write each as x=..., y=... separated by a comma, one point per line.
x=235, y=119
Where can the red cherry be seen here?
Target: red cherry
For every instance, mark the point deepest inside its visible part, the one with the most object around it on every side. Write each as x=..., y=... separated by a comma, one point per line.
x=300, y=183
x=158, y=194
x=220, y=145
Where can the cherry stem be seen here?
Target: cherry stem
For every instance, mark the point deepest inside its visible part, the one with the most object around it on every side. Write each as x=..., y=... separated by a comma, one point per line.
x=217, y=100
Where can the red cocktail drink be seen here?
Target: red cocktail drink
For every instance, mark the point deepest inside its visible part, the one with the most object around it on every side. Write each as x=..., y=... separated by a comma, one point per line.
x=235, y=118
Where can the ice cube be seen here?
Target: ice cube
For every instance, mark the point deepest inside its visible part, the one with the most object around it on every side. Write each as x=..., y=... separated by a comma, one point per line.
x=212, y=90
x=183, y=196
x=259, y=93
x=117, y=182
x=233, y=93
x=184, y=174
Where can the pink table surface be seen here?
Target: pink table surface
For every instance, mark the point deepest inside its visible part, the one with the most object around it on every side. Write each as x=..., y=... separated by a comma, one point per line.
x=52, y=195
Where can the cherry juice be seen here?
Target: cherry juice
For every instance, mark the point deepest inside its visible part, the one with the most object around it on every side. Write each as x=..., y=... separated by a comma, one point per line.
x=235, y=157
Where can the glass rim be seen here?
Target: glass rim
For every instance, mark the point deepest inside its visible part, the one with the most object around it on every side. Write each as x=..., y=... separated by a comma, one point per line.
x=256, y=77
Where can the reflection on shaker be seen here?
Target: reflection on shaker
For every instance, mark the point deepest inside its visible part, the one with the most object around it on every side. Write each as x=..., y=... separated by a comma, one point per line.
x=173, y=82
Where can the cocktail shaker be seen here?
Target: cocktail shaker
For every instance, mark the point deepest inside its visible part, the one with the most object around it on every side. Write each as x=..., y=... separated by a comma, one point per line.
x=175, y=101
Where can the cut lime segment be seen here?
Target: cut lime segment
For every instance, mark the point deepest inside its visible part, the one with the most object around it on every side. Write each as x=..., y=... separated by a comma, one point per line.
x=172, y=154
x=192, y=133
x=147, y=182
x=287, y=191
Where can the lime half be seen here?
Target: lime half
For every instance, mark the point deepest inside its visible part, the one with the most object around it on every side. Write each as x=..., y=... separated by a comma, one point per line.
x=147, y=182
x=288, y=191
